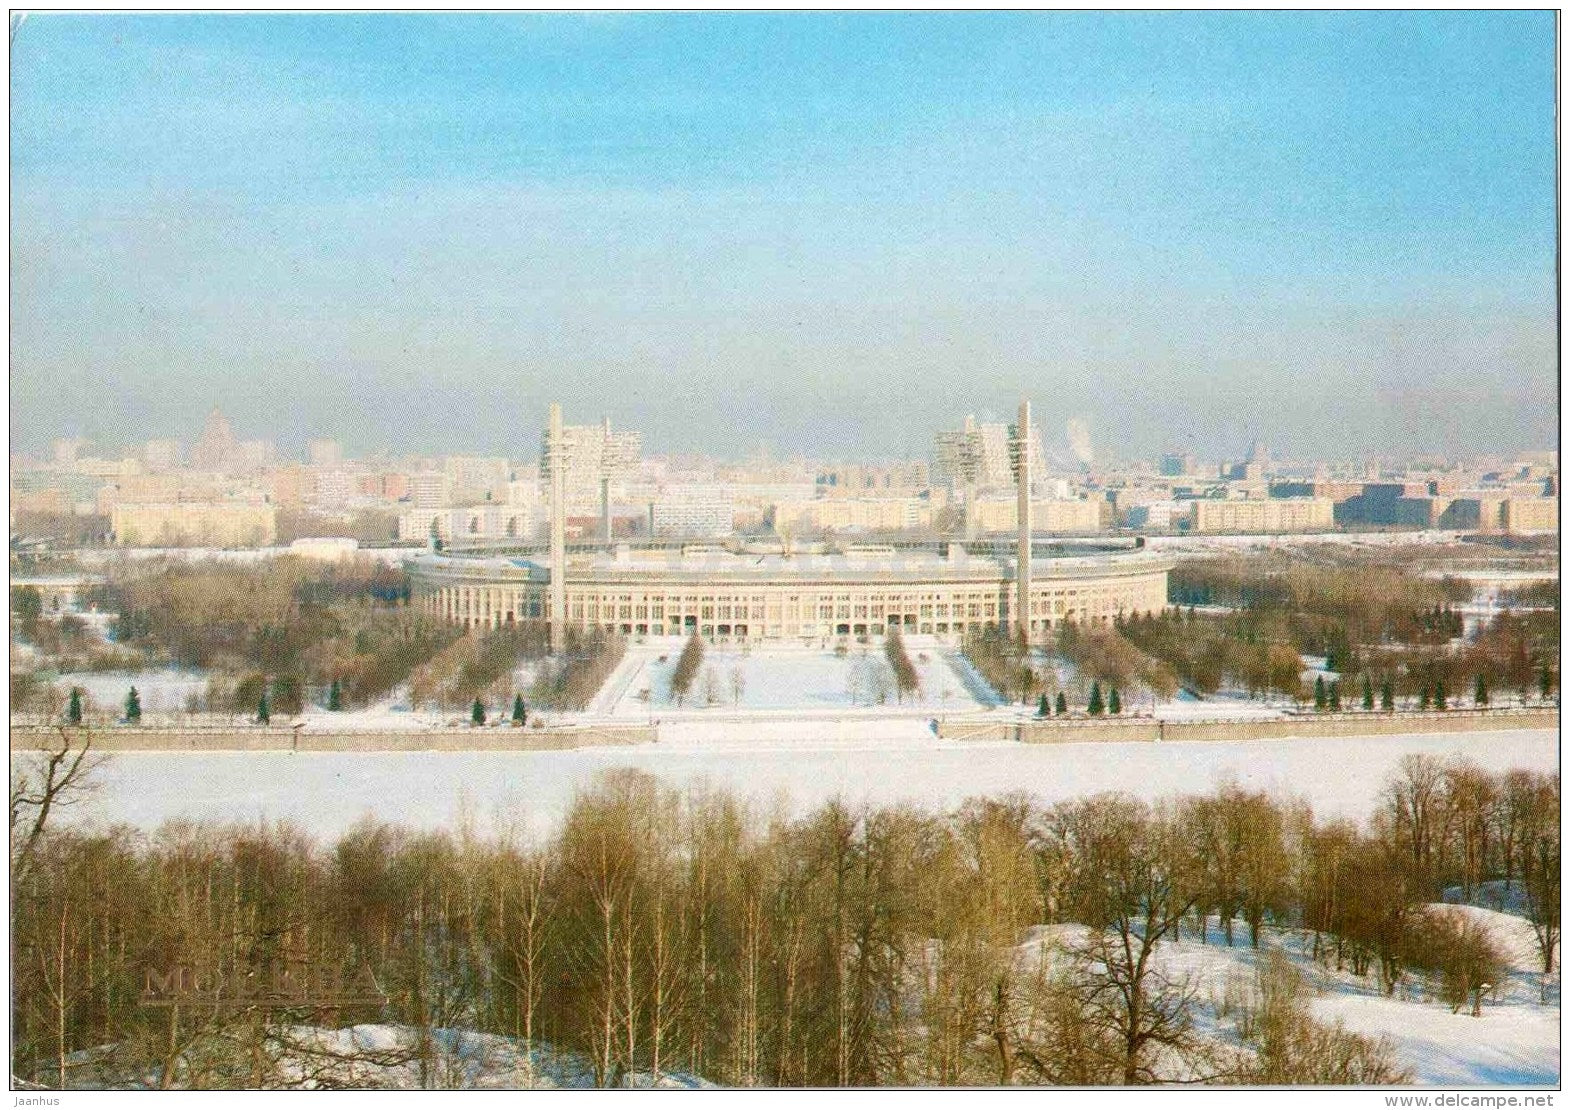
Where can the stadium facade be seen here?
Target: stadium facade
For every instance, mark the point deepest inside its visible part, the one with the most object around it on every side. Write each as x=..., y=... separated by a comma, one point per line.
x=748, y=592
x=761, y=593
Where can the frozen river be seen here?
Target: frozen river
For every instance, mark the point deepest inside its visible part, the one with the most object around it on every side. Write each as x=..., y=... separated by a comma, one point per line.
x=327, y=792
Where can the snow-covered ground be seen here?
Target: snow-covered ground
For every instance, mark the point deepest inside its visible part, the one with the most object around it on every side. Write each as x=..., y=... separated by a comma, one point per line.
x=1515, y=1041
x=160, y=691
x=384, y=1057
x=880, y=761
x=782, y=677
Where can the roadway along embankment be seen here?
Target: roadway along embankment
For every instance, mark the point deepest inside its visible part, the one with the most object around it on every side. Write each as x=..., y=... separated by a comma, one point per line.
x=264, y=739
x=1081, y=730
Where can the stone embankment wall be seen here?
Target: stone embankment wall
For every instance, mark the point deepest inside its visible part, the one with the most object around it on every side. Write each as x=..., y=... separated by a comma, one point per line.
x=1079, y=730
x=260, y=739
x=1118, y=730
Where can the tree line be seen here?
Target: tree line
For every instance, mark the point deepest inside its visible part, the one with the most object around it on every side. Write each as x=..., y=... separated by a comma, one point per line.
x=661, y=930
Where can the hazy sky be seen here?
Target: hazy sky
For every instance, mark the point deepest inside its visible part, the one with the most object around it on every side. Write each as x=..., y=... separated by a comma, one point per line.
x=834, y=233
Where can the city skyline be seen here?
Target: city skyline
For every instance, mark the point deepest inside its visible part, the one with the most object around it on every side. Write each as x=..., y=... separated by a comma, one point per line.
x=1329, y=231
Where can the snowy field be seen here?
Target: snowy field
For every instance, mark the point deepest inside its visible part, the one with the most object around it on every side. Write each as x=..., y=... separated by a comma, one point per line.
x=160, y=691
x=782, y=677
x=899, y=761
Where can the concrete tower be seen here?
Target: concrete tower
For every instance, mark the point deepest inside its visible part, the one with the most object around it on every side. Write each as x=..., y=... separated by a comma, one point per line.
x=605, y=483
x=556, y=455
x=1021, y=445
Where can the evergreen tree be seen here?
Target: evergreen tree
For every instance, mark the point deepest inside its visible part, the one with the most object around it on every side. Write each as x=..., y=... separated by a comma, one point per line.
x=1440, y=695
x=264, y=715
x=1425, y=700
x=73, y=712
x=1335, y=697
x=1480, y=692
x=1319, y=693
x=1114, y=704
x=133, y=706
x=1096, y=705
x=1062, y=705
x=1387, y=697
x=1368, y=693
x=335, y=697
x=1330, y=659
x=520, y=712
x=1545, y=682
x=1043, y=707
x=477, y=713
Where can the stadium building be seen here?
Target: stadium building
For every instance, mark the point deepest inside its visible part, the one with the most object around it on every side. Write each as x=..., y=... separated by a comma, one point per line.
x=773, y=592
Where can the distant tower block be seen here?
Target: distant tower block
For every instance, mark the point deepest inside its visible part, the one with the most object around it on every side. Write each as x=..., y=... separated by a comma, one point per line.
x=1019, y=449
x=555, y=456
x=605, y=483
x=618, y=461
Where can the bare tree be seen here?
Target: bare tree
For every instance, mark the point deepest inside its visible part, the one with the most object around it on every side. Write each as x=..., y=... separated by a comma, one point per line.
x=41, y=783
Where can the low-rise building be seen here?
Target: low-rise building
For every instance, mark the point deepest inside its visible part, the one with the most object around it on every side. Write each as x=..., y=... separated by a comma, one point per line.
x=1264, y=515
x=194, y=524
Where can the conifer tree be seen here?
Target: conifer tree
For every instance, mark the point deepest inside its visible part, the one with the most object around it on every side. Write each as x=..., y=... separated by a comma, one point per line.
x=1387, y=697
x=1335, y=697
x=1319, y=693
x=1440, y=695
x=1096, y=706
x=1425, y=700
x=264, y=714
x=1114, y=703
x=520, y=712
x=1043, y=707
x=1545, y=682
x=477, y=712
x=1062, y=705
x=1368, y=693
x=73, y=711
x=335, y=697
x=133, y=706
x=1480, y=692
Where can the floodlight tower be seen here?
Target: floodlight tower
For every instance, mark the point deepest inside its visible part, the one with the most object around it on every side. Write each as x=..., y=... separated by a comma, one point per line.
x=555, y=460
x=1019, y=449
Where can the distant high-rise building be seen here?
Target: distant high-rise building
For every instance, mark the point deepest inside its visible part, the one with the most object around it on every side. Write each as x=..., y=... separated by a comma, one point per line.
x=978, y=456
x=430, y=489
x=217, y=447
x=593, y=459
x=324, y=452
x=1177, y=465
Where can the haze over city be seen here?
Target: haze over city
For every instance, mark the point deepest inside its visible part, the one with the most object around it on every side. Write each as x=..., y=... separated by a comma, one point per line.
x=1332, y=232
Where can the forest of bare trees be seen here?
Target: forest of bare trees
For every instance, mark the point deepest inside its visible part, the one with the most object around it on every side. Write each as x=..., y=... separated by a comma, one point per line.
x=662, y=930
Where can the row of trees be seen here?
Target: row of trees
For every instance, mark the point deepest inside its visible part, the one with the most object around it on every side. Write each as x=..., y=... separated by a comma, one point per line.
x=906, y=680
x=688, y=665
x=570, y=681
x=660, y=930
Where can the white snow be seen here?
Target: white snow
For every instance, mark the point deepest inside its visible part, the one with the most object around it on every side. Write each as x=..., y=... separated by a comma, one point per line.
x=800, y=763
x=1515, y=1042
x=160, y=691
x=383, y=1057
x=782, y=677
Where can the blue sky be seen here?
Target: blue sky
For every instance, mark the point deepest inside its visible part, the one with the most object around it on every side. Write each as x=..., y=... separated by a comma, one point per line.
x=1332, y=231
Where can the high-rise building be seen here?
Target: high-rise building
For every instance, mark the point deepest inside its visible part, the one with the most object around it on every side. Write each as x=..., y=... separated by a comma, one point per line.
x=217, y=447
x=979, y=456
x=430, y=489
x=324, y=452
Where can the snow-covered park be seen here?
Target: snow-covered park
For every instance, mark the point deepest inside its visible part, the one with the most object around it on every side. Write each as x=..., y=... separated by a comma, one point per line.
x=785, y=677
